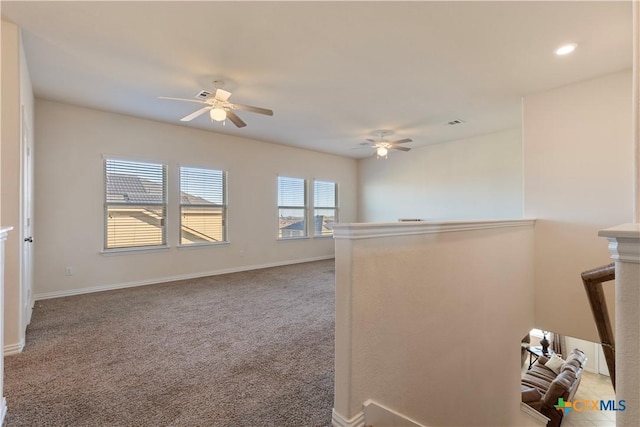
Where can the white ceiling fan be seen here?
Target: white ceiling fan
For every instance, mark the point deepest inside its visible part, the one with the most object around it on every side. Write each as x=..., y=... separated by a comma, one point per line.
x=382, y=146
x=219, y=107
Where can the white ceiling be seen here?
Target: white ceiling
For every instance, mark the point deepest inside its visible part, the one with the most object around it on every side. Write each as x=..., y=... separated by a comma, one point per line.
x=333, y=72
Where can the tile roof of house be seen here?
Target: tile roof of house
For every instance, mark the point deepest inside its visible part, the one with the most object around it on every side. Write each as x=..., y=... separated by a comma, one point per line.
x=319, y=224
x=122, y=188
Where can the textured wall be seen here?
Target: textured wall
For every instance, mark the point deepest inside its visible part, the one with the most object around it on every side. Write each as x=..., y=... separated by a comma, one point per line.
x=429, y=325
x=474, y=178
x=70, y=145
x=578, y=179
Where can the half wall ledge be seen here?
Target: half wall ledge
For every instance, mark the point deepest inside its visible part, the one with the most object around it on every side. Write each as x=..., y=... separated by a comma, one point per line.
x=371, y=230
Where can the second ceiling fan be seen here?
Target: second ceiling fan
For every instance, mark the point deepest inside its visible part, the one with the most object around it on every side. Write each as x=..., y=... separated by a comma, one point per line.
x=383, y=146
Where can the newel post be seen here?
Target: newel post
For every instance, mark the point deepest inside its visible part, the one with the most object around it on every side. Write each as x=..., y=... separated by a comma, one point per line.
x=624, y=245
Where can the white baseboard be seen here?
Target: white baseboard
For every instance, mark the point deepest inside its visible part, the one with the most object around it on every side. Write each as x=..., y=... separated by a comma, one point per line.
x=156, y=280
x=378, y=415
x=16, y=348
x=338, y=420
x=536, y=416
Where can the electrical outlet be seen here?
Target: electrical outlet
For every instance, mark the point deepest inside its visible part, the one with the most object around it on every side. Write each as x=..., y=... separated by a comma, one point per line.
x=68, y=271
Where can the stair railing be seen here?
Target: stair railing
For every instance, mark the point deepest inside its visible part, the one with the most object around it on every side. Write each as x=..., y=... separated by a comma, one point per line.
x=593, y=280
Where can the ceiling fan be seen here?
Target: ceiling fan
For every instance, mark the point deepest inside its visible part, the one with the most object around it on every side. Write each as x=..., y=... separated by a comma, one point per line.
x=383, y=146
x=219, y=107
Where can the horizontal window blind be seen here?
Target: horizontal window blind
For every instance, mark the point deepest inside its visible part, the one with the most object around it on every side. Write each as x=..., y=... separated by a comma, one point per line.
x=135, y=204
x=201, y=186
x=202, y=206
x=291, y=192
x=292, y=207
x=325, y=205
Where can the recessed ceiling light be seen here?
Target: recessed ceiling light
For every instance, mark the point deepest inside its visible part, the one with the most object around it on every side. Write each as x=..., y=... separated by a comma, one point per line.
x=566, y=49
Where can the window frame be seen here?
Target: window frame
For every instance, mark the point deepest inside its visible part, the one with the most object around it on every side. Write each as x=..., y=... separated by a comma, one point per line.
x=164, y=205
x=223, y=206
x=316, y=207
x=304, y=208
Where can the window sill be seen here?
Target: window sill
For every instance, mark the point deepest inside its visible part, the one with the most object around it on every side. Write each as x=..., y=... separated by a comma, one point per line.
x=202, y=245
x=325, y=236
x=287, y=239
x=126, y=251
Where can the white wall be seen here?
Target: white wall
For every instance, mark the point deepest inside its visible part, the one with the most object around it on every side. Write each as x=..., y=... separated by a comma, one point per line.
x=429, y=317
x=475, y=178
x=70, y=144
x=17, y=99
x=596, y=361
x=578, y=179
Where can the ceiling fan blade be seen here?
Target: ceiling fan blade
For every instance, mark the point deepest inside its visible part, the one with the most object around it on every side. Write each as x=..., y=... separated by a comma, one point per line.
x=251, y=109
x=195, y=114
x=370, y=140
x=393, y=147
x=401, y=141
x=182, y=99
x=222, y=95
x=235, y=119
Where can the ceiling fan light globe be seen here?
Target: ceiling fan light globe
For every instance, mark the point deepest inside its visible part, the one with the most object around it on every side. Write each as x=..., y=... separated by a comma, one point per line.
x=382, y=151
x=218, y=114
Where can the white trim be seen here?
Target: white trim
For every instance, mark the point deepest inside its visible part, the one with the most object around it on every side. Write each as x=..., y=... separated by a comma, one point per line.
x=624, y=249
x=134, y=249
x=202, y=245
x=338, y=420
x=630, y=231
x=287, y=239
x=388, y=229
x=537, y=416
x=10, y=349
x=624, y=242
x=157, y=280
x=398, y=418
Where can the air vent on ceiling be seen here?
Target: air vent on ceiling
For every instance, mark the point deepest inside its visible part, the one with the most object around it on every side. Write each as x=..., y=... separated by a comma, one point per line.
x=203, y=94
x=455, y=122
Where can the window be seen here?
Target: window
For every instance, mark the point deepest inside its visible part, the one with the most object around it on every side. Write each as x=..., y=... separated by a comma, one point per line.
x=135, y=204
x=325, y=205
x=202, y=206
x=292, y=207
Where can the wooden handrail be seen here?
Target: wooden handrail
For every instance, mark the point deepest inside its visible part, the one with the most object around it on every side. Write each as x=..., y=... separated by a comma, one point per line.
x=593, y=280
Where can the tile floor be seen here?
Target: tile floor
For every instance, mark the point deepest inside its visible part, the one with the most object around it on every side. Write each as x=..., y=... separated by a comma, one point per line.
x=592, y=387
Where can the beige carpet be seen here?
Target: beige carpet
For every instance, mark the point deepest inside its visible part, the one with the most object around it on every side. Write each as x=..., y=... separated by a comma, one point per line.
x=244, y=349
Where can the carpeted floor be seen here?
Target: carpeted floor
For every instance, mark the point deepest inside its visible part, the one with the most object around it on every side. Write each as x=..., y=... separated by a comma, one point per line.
x=244, y=349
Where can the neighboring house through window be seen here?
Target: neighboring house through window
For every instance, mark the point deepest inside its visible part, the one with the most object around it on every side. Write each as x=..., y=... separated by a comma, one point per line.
x=135, y=204
x=202, y=206
x=292, y=207
x=325, y=203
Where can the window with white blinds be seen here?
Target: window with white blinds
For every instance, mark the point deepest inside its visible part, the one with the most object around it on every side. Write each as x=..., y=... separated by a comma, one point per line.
x=202, y=206
x=292, y=207
x=135, y=204
x=325, y=204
